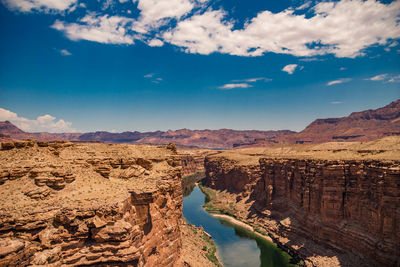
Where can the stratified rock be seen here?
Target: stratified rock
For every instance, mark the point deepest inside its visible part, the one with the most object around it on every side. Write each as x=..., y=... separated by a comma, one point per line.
x=57, y=210
x=332, y=203
x=7, y=145
x=38, y=193
x=147, y=164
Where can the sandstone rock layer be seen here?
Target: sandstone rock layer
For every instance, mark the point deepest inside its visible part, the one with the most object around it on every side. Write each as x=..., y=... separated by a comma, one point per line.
x=348, y=206
x=89, y=204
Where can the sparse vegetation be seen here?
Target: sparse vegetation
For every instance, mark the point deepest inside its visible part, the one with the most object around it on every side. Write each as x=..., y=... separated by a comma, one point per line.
x=212, y=205
x=209, y=246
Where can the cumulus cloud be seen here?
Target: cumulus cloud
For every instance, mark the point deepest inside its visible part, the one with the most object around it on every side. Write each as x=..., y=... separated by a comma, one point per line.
x=155, y=42
x=290, y=68
x=379, y=77
x=155, y=10
x=229, y=86
x=45, y=123
x=343, y=28
x=339, y=81
x=65, y=52
x=40, y=5
x=327, y=31
x=103, y=29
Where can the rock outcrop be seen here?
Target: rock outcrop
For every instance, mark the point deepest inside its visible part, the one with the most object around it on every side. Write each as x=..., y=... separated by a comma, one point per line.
x=89, y=204
x=339, y=202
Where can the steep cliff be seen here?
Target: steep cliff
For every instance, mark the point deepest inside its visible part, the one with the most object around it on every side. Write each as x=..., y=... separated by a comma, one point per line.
x=89, y=204
x=192, y=160
x=333, y=205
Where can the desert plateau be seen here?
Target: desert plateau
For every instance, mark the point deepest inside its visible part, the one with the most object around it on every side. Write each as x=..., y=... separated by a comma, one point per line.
x=200, y=133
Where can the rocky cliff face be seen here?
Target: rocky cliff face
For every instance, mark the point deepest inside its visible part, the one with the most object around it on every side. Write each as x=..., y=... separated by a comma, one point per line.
x=311, y=205
x=192, y=161
x=89, y=204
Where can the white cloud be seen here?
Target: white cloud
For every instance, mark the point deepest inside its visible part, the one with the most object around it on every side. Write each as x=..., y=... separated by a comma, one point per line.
x=45, y=123
x=343, y=68
x=290, y=68
x=40, y=5
x=394, y=79
x=153, y=78
x=235, y=85
x=252, y=80
x=65, y=52
x=311, y=59
x=339, y=81
x=379, y=77
x=386, y=77
x=204, y=34
x=155, y=42
x=304, y=6
x=328, y=31
x=154, y=10
x=336, y=102
x=103, y=29
x=343, y=28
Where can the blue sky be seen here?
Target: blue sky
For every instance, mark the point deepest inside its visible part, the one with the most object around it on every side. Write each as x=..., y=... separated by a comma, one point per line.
x=71, y=65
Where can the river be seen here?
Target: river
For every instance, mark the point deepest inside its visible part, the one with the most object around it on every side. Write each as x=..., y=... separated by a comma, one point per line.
x=236, y=246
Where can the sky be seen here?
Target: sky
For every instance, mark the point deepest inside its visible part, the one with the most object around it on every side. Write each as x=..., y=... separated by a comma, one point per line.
x=146, y=65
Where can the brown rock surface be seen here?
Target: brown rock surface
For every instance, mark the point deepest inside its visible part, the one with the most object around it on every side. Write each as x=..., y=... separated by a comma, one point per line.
x=334, y=203
x=358, y=126
x=89, y=204
x=192, y=160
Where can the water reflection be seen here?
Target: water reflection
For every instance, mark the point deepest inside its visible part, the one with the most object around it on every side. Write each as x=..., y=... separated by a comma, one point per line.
x=236, y=246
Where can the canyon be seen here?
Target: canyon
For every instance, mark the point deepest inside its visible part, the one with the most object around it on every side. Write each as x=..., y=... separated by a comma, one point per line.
x=94, y=204
x=333, y=204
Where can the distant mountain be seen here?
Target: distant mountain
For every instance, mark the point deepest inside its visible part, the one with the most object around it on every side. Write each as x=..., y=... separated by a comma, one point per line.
x=10, y=131
x=223, y=138
x=358, y=126
x=214, y=139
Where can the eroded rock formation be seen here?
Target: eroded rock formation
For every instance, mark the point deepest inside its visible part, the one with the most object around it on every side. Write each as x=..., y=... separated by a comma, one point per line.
x=89, y=204
x=346, y=204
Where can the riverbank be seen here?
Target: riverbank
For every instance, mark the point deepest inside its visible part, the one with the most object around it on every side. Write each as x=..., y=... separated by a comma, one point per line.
x=227, y=213
x=198, y=247
x=239, y=223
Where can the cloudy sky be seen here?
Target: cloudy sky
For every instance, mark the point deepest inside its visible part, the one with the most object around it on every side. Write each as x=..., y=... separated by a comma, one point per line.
x=117, y=65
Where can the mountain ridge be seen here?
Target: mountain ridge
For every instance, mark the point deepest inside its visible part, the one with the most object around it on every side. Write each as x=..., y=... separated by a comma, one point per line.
x=358, y=126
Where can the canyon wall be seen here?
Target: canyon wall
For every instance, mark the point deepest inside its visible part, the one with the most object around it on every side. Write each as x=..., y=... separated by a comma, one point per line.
x=351, y=207
x=89, y=204
x=192, y=164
